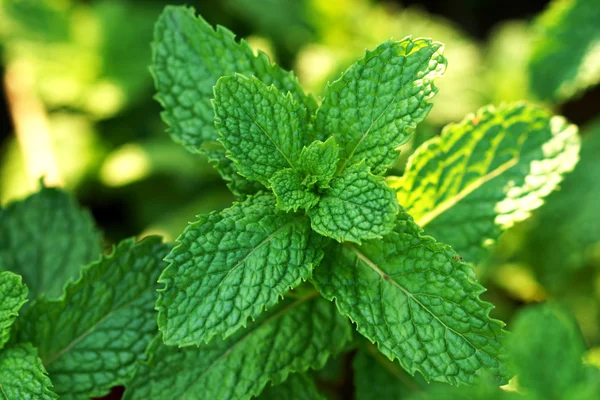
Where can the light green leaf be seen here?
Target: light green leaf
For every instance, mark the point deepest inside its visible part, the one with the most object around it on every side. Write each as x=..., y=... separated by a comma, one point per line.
x=358, y=206
x=189, y=56
x=22, y=375
x=262, y=130
x=375, y=105
x=46, y=238
x=290, y=191
x=292, y=337
x=230, y=266
x=564, y=59
x=238, y=185
x=92, y=337
x=417, y=301
x=13, y=294
x=319, y=162
x=296, y=387
x=486, y=173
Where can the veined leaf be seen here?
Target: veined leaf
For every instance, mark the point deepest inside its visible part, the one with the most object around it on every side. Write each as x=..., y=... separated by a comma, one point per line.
x=296, y=387
x=375, y=105
x=46, y=238
x=291, y=192
x=189, y=56
x=22, y=375
x=91, y=338
x=230, y=266
x=417, y=301
x=262, y=130
x=319, y=162
x=564, y=59
x=292, y=337
x=358, y=206
x=486, y=173
x=13, y=294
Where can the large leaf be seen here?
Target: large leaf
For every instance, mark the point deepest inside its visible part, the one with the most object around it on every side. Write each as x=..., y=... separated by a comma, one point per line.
x=486, y=173
x=46, y=238
x=375, y=105
x=564, y=60
x=22, y=375
x=230, y=266
x=417, y=301
x=91, y=338
x=292, y=337
x=13, y=294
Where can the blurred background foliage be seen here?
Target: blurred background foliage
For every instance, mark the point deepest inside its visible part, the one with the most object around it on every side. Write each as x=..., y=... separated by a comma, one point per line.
x=77, y=108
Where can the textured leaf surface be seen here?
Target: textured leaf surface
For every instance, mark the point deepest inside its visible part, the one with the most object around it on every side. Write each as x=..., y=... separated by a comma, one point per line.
x=417, y=301
x=486, y=173
x=565, y=58
x=262, y=130
x=230, y=266
x=290, y=191
x=296, y=387
x=376, y=104
x=292, y=337
x=189, y=56
x=319, y=162
x=46, y=238
x=13, y=294
x=22, y=375
x=358, y=206
x=91, y=338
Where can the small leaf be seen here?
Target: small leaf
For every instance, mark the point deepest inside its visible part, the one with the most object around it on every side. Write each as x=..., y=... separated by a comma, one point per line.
x=319, y=162
x=46, y=238
x=13, y=294
x=294, y=336
x=417, y=301
x=290, y=191
x=230, y=266
x=262, y=130
x=375, y=105
x=359, y=205
x=486, y=173
x=92, y=337
x=296, y=387
x=22, y=375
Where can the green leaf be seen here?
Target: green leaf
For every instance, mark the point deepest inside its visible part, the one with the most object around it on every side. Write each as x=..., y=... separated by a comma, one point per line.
x=486, y=173
x=290, y=191
x=358, y=206
x=22, y=375
x=238, y=185
x=189, y=56
x=375, y=105
x=292, y=337
x=262, y=130
x=296, y=387
x=230, y=266
x=564, y=59
x=417, y=301
x=46, y=238
x=92, y=337
x=13, y=294
x=319, y=162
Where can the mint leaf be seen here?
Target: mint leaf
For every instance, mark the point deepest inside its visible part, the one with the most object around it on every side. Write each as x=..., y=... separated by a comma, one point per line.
x=13, y=294
x=189, y=56
x=296, y=387
x=262, y=130
x=358, y=206
x=564, y=59
x=417, y=301
x=318, y=161
x=237, y=184
x=91, y=338
x=230, y=266
x=375, y=105
x=486, y=173
x=46, y=238
x=291, y=192
x=292, y=337
x=22, y=375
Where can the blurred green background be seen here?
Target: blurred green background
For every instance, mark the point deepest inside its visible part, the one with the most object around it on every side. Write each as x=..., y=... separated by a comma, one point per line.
x=76, y=106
